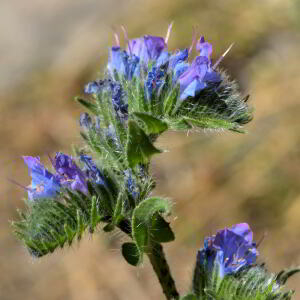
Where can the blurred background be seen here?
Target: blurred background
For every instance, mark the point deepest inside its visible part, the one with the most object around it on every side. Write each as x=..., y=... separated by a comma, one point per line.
x=50, y=49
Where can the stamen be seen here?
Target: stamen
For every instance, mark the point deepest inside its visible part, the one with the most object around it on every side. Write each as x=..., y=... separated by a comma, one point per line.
x=117, y=39
x=194, y=39
x=261, y=240
x=51, y=160
x=222, y=56
x=18, y=184
x=116, y=35
x=169, y=32
x=126, y=38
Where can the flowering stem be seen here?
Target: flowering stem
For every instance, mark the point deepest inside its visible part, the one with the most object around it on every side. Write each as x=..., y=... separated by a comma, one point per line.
x=161, y=268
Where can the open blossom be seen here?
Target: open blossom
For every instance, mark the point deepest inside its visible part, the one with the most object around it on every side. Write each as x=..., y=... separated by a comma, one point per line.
x=69, y=173
x=199, y=74
x=147, y=48
x=231, y=248
x=44, y=184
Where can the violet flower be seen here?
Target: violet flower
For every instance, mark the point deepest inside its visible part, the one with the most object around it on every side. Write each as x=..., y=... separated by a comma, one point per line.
x=231, y=248
x=91, y=170
x=94, y=87
x=69, y=173
x=154, y=81
x=44, y=184
x=199, y=74
x=147, y=48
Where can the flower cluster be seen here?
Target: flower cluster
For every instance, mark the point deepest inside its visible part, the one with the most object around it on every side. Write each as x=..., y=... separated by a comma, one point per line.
x=67, y=174
x=231, y=249
x=148, y=57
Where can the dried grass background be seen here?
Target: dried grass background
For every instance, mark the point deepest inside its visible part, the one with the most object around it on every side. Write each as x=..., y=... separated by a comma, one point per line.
x=49, y=49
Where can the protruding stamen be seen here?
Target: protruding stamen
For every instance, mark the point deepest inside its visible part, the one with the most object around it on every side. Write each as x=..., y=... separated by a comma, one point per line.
x=126, y=38
x=18, y=184
x=169, y=32
x=116, y=35
x=117, y=39
x=51, y=160
x=261, y=240
x=222, y=56
x=194, y=39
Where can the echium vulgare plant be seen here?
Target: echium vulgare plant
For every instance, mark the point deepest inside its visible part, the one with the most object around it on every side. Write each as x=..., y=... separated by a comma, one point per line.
x=146, y=90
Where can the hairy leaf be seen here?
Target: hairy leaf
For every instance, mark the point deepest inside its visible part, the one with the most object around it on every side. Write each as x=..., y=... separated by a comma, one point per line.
x=139, y=146
x=154, y=125
x=142, y=221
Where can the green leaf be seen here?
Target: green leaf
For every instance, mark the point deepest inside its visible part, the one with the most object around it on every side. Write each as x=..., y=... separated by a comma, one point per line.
x=189, y=297
x=139, y=147
x=154, y=125
x=109, y=227
x=180, y=125
x=161, y=231
x=213, y=123
x=284, y=275
x=131, y=253
x=142, y=221
x=90, y=106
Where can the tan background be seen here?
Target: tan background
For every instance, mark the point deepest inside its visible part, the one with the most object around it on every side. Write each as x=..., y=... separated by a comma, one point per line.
x=49, y=49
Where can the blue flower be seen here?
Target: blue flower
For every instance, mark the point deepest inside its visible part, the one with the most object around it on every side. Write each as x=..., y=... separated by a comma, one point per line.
x=199, y=74
x=44, y=184
x=154, y=80
x=204, y=48
x=91, y=170
x=178, y=57
x=94, y=87
x=117, y=97
x=191, y=81
x=69, y=173
x=131, y=185
x=231, y=249
x=85, y=121
x=124, y=64
x=147, y=48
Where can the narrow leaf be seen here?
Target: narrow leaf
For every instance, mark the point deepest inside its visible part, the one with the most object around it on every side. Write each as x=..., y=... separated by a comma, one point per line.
x=212, y=123
x=90, y=106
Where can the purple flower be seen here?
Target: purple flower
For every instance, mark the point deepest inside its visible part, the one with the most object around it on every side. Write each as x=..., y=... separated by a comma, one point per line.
x=178, y=57
x=122, y=63
x=191, y=81
x=117, y=97
x=118, y=61
x=85, y=121
x=204, y=48
x=43, y=184
x=94, y=87
x=231, y=249
x=154, y=81
x=69, y=173
x=131, y=185
x=199, y=74
x=91, y=170
x=147, y=48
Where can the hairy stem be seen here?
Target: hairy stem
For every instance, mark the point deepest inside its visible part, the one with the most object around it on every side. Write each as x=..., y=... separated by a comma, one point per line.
x=162, y=271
